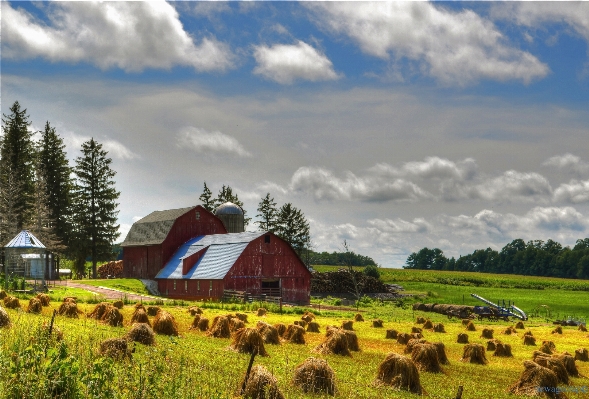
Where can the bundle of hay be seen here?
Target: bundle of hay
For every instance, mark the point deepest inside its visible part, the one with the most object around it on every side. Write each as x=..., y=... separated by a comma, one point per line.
x=420, y=320
x=439, y=327
x=412, y=343
x=377, y=323
x=428, y=325
x=358, y=317
x=269, y=333
x=403, y=338
x=248, y=340
x=492, y=344
x=98, y=311
x=140, y=316
x=510, y=330
x=466, y=321
x=582, y=328
x=11, y=302
x=4, y=319
x=462, y=338
x=301, y=323
x=520, y=325
x=416, y=330
x=548, y=347
x=118, y=304
x=44, y=298
x=236, y=324
x=71, y=299
x=474, y=353
x=556, y=365
x=69, y=309
x=416, y=335
x=194, y=310
x=582, y=355
x=34, y=306
x=56, y=332
x=352, y=341
x=261, y=312
x=336, y=343
x=535, y=379
x=3, y=294
x=557, y=330
x=529, y=340
x=165, y=324
x=138, y=305
x=116, y=348
x=569, y=364
x=425, y=357
x=203, y=324
x=502, y=350
x=112, y=316
x=220, y=328
x=308, y=317
x=470, y=326
x=316, y=376
x=487, y=333
x=529, y=333
x=142, y=333
x=391, y=334
x=442, y=357
x=294, y=334
x=313, y=327
x=281, y=328
x=195, y=321
x=399, y=372
x=348, y=325
x=240, y=316
x=152, y=310
x=261, y=384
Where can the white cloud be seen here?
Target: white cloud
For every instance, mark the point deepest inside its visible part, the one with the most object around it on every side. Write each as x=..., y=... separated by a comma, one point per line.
x=513, y=185
x=575, y=191
x=115, y=149
x=284, y=63
x=431, y=168
x=453, y=47
x=568, y=162
x=128, y=35
x=203, y=141
x=418, y=225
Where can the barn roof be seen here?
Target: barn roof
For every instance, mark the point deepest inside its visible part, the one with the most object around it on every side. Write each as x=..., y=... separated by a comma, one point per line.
x=25, y=239
x=221, y=252
x=153, y=228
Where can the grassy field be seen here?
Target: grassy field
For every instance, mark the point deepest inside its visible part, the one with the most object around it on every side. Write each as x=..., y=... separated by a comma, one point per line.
x=196, y=366
x=130, y=285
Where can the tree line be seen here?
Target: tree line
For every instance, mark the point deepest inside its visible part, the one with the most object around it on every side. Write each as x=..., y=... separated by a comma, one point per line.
x=534, y=258
x=71, y=209
x=340, y=259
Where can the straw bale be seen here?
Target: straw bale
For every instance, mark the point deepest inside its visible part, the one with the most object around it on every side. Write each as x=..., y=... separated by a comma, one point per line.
x=335, y=343
x=439, y=327
x=3, y=294
x=220, y=328
x=269, y=333
x=98, y=310
x=462, y=338
x=419, y=306
x=428, y=325
x=466, y=321
x=502, y=350
x=569, y=364
x=529, y=340
x=236, y=324
x=308, y=317
x=557, y=330
x=138, y=305
x=403, y=338
x=352, y=341
x=195, y=321
x=529, y=333
x=301, y=323
x=348, y=325
x=261, y=384
x=416, y=335
x=112, y=316
x=152, y=310
x=261, y=312
x=474, y=353
x=377, y=323
x=194, y=310
x=315, y=376
x=416, y=330
x=510, y=330
x=582, y=355
x=582, y=328
x=71, y=299
x=294, y=334
x=165, y=324
x=425, y=357
x=313, y=327
x=4, y=318
x=203, y=324
x=536, y=380
x=34, y=306
x=140, y=316
x=391, y=334
x=247, y=340
x=399, y=372
x=412, y=343
x=281, y=328
x=492, y=344
x=44, y=298
x=442, y=357
x=420, y=320
x=520, y=325
x=358, y=317
x=487, y=333
x=116, y=348
x=11, y=302
x=470, y=326
x=69, y=309
x=142, y=333
x=242, y=317
x=118, y=304
x=556, y=365
x=548, y=347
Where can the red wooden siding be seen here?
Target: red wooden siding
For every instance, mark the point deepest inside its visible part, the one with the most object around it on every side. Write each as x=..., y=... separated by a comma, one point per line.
x=209, y=289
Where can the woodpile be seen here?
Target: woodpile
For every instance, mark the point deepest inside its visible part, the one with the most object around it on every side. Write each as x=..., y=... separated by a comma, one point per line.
x=114, y=269
x=341, y=281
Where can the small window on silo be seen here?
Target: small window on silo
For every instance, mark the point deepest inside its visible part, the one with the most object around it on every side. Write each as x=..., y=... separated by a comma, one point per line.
x=197, y=215
x=267, y=238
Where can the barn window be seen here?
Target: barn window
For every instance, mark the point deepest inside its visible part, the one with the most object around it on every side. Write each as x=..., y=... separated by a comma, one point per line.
x=186, y=285
x=210, y=285
x=198, y=285
x=267, y=238
x=197, y=215
x=174, y=285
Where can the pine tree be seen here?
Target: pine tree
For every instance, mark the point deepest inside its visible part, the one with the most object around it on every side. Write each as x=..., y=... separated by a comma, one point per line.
x=55, y=171
x=226, y=195
x=10, y=191
x=267, y=214
x=17, y=153
x=95, y=206
x=294, y=228
x=206, y=198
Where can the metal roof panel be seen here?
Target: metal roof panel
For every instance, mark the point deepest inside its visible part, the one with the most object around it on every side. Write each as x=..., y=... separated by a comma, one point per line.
x=25, y=239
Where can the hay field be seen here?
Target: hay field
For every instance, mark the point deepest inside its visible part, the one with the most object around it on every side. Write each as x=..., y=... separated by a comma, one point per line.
x=195, y=365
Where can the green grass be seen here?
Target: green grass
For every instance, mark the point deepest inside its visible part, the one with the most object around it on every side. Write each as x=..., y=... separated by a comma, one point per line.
x=130, y=285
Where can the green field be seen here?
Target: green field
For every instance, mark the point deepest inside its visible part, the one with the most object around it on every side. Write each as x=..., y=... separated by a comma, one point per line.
x=130, y=285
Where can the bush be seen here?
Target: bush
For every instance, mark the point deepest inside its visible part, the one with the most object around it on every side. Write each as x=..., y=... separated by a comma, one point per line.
x=372, y=271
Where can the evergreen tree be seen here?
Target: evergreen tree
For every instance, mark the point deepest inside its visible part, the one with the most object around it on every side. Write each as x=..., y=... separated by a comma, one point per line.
x=293, y=227
x=226, y=195
x=17, y=153
x=10, y=189
x=267, y=214
x=56, y=172
x=95, y=204
x=207, y=199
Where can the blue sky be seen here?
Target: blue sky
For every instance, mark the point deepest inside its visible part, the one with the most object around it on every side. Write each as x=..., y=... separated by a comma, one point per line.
x=391, y=125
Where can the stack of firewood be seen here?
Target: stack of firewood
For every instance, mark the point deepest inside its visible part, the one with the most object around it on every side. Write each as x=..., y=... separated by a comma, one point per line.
x=114, y=269
x=342, y=281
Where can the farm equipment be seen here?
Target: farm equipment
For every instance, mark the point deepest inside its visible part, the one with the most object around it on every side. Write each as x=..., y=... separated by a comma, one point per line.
x=498, y=311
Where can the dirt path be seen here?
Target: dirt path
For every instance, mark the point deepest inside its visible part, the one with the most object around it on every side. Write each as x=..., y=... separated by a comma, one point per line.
x=108, y=293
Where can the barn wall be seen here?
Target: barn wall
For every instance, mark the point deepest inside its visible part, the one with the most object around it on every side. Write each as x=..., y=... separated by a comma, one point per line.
x=209, y=289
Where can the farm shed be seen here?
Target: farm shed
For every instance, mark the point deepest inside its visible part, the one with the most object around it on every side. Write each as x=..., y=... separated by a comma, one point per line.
x=26, y=256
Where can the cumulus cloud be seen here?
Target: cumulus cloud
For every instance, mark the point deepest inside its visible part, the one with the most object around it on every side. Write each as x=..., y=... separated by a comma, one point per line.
x=513, y=185
x=127, y=35
x=453, y=47
x=203, y=141
x=418, y=225
x=431, y=168
x=569, y=163
x=115, y=149
x=284, y=63
x=575, y=191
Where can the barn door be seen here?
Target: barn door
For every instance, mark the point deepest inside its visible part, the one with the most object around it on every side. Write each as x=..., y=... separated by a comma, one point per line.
x=268, y=265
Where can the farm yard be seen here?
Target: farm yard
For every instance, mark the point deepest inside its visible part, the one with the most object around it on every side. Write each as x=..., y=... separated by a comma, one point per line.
x=195, y=364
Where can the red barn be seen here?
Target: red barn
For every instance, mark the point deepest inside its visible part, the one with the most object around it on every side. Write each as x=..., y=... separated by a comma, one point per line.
x=193, y=257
